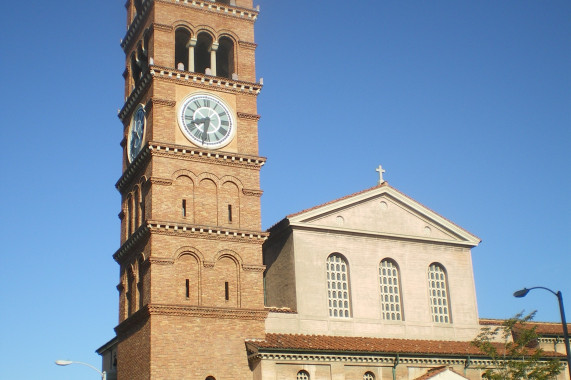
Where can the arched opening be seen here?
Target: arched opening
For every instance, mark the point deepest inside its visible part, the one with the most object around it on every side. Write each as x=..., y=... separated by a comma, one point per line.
x=225, y=58
x=202, y=52
x=135, y=69
x=142, y=55
x=181, y=37
x=227, y=2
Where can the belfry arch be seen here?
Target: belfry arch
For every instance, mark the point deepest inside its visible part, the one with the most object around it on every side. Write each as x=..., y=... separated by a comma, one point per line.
x=225, y=58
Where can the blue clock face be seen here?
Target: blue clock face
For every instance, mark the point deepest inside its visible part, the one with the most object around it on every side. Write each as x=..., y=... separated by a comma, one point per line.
x=206, y=121
x=136, y=133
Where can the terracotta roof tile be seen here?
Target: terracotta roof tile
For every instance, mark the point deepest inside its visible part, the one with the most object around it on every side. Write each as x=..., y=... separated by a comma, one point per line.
x=541, y=328
x=296, y=342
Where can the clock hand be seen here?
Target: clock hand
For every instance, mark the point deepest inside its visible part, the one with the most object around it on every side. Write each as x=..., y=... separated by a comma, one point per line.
x=205, y=131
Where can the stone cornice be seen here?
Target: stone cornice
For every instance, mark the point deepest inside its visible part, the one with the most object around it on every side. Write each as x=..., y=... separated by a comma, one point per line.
x=186, y=78
x=205, y=155
x=136, y=25
x=372, y=234
x=206, y=232
x=134, y=167
x=208, y=312
x=140, y=234
x=133, y=98
x=182, y=152
x=218, y=8
x=368, y=358
x=132, y=322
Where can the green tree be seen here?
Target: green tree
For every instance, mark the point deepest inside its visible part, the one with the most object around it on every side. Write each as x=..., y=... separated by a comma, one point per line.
x=514, y=351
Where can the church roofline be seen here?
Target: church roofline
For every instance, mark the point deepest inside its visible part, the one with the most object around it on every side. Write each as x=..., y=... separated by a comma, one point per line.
x=364, y=345
x=304, y=215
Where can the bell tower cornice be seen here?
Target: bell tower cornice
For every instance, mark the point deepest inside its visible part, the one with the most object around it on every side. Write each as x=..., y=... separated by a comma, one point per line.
x=196, y=80
x=188, y=154
x=224, y=10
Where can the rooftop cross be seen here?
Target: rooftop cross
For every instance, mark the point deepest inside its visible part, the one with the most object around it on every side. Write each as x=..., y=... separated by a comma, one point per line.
x=381, y=171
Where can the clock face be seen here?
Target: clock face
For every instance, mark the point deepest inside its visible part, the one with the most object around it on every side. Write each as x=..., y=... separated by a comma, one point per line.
x=136, y=133
x=206, y=121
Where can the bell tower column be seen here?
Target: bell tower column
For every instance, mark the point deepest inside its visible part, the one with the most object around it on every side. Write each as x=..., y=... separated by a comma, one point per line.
x=190, y=258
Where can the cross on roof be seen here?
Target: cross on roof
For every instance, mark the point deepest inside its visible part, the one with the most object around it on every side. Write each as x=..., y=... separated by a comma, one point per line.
x=381, y=171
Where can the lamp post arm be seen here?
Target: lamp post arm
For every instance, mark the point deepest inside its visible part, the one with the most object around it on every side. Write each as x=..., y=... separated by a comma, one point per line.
x=549, y=290
x=66, y=362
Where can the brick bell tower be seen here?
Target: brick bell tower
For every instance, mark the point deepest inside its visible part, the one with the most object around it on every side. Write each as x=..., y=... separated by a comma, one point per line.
x=191, y=272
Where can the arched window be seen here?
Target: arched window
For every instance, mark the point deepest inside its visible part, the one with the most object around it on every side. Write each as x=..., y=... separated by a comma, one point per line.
x=225, y=58
x=210, y=378
x=389, y=281
x=223, y=1
x=338, y=292
x=181, y=37
x=438, y=289
x=369, y=376
x=302, y=375
x=202, y=52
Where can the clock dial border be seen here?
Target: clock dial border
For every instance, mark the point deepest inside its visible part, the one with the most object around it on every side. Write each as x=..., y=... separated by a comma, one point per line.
x=210, y=112
x=140, y=109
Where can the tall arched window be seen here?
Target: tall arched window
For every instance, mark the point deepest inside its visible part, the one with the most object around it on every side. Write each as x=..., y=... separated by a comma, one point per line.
x=302, y=375
x=225, y=58
x=202, y=52
x=389, y=281
x=438, y=289
x=181, y=37
x=338, y=291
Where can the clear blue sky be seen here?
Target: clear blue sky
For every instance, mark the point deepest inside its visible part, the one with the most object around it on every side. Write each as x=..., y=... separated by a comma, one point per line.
x=465, y=103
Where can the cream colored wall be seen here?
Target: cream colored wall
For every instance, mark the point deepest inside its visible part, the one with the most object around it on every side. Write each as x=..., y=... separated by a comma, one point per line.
x=363, y=254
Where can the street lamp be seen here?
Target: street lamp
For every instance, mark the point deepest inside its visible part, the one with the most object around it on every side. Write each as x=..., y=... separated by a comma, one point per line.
x=523, y=292
x=68, y=362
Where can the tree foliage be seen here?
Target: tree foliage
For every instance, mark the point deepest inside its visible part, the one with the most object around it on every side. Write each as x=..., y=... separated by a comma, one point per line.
x=514, y=351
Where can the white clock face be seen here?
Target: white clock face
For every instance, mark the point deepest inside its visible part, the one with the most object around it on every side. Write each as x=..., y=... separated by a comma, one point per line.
x=136, y=133
x=206, y=121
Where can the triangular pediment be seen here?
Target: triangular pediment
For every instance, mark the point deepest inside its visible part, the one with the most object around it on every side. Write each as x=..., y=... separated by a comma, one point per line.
x=386, y=211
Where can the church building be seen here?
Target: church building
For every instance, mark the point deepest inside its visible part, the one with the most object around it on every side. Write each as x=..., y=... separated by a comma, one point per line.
x=373, y=285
